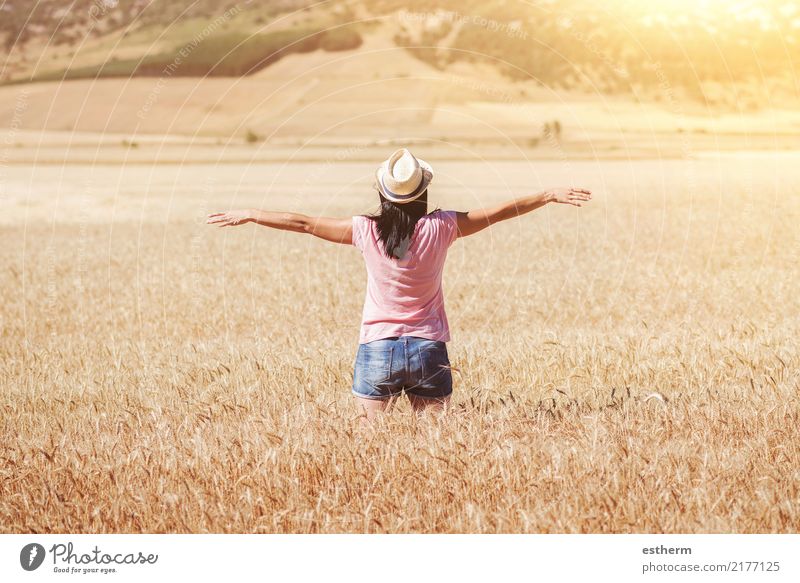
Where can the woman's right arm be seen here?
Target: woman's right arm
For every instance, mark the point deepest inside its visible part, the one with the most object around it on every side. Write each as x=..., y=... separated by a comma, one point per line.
x=471, y=222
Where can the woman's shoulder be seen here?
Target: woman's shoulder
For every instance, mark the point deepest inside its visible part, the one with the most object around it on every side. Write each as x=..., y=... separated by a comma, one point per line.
x=361, y=229
x=363, y=221
x=442, y=215
x=444, y=223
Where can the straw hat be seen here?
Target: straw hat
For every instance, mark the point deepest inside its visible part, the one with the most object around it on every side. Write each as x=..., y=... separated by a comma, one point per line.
x=403, y=178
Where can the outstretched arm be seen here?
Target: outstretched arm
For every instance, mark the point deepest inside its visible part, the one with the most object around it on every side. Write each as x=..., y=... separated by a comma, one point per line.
x=471, y=222
x=330, y=229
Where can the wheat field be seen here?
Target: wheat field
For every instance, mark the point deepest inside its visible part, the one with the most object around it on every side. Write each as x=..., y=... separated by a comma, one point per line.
x=631, y=366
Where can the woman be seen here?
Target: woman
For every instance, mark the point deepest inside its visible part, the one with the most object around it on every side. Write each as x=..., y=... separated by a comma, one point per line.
x=404, y=330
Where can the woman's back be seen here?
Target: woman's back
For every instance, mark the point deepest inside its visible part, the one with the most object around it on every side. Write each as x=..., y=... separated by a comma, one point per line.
x=404, y=329
x=404, y=296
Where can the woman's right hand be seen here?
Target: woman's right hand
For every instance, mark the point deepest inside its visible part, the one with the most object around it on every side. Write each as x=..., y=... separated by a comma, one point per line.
x=574, y=196
x=230, y=218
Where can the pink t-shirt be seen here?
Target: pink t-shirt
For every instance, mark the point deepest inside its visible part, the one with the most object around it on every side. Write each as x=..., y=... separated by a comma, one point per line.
x=404, y=296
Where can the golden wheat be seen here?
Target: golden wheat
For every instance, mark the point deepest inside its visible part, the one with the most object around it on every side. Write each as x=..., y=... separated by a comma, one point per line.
x=162, y=376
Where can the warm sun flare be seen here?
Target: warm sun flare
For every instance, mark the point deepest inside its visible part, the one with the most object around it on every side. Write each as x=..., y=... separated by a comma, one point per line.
x=764, y=13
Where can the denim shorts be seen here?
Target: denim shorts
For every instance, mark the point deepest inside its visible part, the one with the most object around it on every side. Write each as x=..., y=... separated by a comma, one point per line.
x=385, y=368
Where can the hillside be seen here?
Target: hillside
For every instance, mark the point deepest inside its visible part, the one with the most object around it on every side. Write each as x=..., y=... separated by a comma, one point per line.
x=267, y=80
x=726, y=55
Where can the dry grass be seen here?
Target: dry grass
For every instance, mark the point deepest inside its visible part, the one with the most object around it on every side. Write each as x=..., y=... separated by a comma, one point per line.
x=184, y=379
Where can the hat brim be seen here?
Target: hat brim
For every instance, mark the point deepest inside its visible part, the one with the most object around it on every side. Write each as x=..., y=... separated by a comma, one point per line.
x=427, y=176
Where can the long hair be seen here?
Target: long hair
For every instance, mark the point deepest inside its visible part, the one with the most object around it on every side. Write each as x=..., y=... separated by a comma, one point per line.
x=396, y=223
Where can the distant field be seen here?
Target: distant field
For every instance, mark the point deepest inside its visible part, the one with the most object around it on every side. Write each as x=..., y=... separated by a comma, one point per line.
x=631, y=366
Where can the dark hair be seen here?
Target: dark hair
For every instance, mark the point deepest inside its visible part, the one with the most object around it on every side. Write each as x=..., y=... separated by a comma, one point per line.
x=396, y=223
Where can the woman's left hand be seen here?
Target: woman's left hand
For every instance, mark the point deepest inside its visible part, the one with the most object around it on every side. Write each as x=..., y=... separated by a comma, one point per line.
x=229, y=218
x=573, y=196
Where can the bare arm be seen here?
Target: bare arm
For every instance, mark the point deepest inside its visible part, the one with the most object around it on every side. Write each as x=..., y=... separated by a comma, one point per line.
x=471, y=222
x=330, y=229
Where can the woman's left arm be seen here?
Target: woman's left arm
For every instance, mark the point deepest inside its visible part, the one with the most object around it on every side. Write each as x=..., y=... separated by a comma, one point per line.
x=330, y=229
